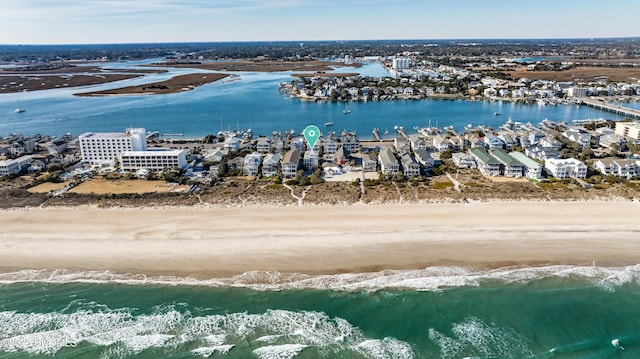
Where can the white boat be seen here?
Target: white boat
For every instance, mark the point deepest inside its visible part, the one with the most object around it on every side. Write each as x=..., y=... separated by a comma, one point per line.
x=329, y=123
x=346, y=110
x=19, y=110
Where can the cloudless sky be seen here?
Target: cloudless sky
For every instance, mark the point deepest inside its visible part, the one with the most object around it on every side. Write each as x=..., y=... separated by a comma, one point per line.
x=126, y=21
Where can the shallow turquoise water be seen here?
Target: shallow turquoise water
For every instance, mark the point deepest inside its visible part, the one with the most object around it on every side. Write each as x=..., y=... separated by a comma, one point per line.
x=559, y=312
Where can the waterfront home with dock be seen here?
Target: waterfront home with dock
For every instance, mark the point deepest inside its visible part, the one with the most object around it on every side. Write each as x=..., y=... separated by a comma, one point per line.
x=388, y=162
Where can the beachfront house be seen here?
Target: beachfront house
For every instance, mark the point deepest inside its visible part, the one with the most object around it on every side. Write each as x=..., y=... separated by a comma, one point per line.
x=410, y=167
x=611, y=166
x=388, y=162
x=369, y=163
x=565, y=168
x=290, y=163
x=235, y=163
x=511, y=166
x=423, y=157
x=310, y=160
x=463, y=160
x=251, y=164
x=487, y=164
x=270, y=165
x=532, y=169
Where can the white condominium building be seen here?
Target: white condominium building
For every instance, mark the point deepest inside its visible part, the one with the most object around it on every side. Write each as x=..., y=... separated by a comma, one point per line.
x=105, y=147
x=400, y=63
x=153, y=160
x=628, y=129
x=565, y=168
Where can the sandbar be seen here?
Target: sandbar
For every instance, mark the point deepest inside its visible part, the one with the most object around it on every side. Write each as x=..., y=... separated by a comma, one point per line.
x=217, y=242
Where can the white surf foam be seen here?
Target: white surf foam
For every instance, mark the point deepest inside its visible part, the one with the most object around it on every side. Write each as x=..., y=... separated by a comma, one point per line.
x=428, y=279
x=125, y=333
x=286, y=351
x=209, y=351
x=475, y=337
x=387, y=348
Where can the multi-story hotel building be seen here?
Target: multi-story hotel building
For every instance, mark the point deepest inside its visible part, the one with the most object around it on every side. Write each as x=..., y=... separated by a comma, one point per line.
x=104, y=148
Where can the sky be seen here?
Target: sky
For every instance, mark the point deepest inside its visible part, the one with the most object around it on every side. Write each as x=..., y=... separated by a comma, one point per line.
x=134, y=21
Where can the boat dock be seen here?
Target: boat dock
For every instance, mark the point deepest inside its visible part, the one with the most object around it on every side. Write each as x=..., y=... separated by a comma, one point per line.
x=606, y=106
x=402, y=133
x=376, y=134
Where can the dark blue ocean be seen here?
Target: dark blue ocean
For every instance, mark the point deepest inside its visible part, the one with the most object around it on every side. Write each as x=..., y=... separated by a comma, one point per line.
x=251, y=100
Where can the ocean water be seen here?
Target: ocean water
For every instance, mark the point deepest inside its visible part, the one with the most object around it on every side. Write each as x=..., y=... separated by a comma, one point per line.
x=251, y=100
x=438, y=312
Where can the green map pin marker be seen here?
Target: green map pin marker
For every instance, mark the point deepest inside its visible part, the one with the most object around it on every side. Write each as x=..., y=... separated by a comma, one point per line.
x=311, y=134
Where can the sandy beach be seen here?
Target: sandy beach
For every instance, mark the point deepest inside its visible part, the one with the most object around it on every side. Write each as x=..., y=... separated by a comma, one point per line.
x=207, y=242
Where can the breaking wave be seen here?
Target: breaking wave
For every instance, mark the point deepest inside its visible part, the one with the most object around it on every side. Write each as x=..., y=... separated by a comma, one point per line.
x=273, y=334
x=431, y=278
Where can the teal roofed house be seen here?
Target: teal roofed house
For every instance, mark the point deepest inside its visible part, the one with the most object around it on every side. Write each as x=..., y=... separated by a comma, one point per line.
x=512, y=167
x=532, y=169
x=487, y=164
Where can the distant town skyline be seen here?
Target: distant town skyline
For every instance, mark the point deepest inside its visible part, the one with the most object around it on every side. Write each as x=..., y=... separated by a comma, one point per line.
x=134, y=21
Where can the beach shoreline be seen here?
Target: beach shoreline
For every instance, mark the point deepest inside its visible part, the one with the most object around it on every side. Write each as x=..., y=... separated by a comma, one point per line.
x=222, y=242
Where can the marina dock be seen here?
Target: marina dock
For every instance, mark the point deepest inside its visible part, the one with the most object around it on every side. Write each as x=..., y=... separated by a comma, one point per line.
x=376, y=134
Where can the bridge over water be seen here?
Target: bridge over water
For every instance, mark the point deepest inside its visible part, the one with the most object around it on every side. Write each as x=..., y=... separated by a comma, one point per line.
x=606, y=106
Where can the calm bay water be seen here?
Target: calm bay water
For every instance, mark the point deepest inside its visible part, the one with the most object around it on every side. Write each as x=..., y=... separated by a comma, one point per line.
x=559, y=312
x=251, y=100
